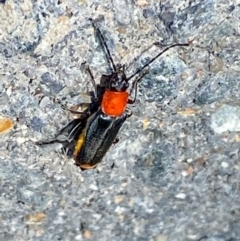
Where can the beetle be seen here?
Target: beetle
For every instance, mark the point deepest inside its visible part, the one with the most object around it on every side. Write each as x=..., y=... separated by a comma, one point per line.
x=89, y=137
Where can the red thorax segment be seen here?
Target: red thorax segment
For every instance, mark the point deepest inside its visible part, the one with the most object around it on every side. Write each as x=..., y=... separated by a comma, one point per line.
x=114, y=103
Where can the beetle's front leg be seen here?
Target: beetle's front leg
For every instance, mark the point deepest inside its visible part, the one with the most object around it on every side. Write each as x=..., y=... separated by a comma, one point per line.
x=128, y=112
x=86, y=68
x=135, y=85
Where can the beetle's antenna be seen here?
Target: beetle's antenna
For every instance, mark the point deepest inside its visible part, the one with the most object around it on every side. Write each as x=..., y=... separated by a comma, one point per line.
x=109, y=57
x=153, y=59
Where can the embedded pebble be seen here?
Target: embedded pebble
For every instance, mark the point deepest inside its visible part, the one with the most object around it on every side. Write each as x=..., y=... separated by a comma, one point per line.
x=226, y=118
x=3, y=98
x=181, y=196
x=224, y=164
x=5, y=125
x=35, y=218
x=160, y=237
x=44, y=102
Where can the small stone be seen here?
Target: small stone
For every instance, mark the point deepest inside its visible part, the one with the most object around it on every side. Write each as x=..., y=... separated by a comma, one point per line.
x=145, y=123
x=189, y=160
x=142, y=3
x=188, y=172
x=35, y=218
x=184, y=173
x=3, y=98
x=87, y=234
x=160, y=237
x=181, y=196
x=226, y=118
x=9, y=91
x=8, y=7
x=36, y=123
x=131, y=201
x=39, y=232
x=224, y=165
x=78, y=237
x=237, y=138
x=5, y=125
x=187, y=112
x=63, y=19
x=21, y=140
x=49, y=84
x=121, y=217
x=93, y=187
x=118, y=199
x=44, y=102
x=216, y=65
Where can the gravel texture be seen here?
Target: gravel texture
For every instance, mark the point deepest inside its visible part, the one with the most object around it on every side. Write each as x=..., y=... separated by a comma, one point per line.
x=175, y=173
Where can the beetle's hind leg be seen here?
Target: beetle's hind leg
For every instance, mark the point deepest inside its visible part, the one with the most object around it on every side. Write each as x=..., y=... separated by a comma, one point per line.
x=68, y=148
x=51, y=141
x=67, y=134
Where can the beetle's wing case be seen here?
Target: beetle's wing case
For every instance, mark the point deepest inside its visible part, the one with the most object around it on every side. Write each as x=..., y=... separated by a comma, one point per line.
x=100, y=132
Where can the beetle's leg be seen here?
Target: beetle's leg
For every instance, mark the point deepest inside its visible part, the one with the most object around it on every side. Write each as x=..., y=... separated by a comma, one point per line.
x=67, y=134
x=47, y=142
x=135, y=85
x=92, y=80
x=68, y=149
x=83, y=114
x=128, y=112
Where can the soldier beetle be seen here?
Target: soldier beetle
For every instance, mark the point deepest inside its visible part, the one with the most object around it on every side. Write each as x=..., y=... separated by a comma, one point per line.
x=89, y=137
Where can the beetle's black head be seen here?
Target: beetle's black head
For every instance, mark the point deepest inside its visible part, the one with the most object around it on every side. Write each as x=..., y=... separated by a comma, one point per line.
x=118, y=81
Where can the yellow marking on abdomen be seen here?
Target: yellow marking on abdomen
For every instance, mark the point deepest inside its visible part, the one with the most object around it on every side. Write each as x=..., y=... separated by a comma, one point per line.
x=79, y=145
